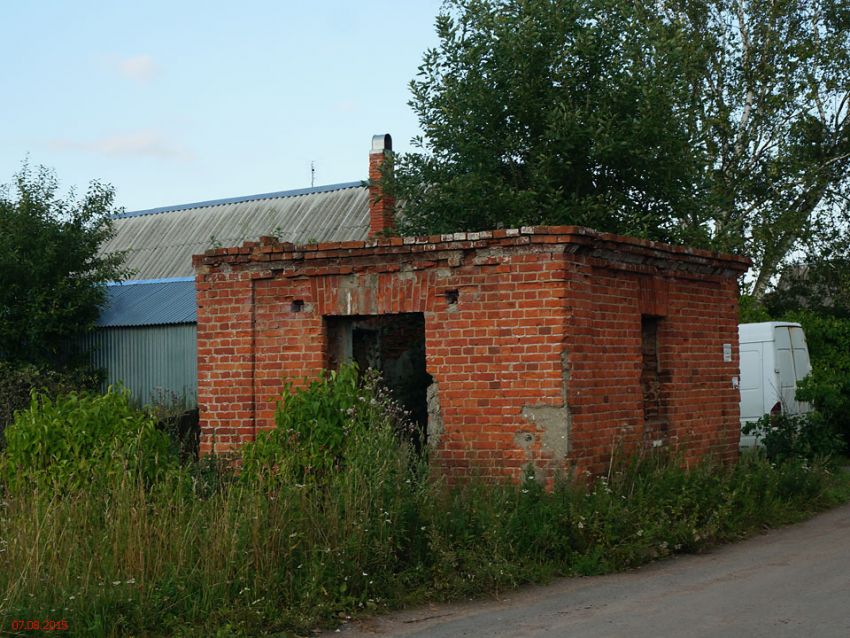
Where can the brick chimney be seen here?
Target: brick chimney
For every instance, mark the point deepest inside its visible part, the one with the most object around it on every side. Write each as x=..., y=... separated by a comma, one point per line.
x=380, y=206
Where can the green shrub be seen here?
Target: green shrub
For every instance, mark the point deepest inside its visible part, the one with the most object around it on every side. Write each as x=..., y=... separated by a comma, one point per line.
x=178, y=420
x=827, y=388
x=319, y=426
x=751, y=310
x=17, y=381
x=802, y=436
x=83, y=439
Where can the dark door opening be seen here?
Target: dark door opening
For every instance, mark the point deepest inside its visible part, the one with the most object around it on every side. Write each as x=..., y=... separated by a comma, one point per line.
x=394, y=346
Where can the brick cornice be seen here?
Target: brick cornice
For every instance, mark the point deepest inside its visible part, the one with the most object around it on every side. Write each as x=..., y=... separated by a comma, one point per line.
x=603, y=248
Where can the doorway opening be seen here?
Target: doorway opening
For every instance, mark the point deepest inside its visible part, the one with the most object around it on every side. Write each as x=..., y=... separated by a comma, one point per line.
x=394, y=346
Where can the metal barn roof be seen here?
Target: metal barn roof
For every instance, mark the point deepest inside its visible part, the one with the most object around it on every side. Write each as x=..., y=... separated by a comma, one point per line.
x=159, y=243
x=149, y=303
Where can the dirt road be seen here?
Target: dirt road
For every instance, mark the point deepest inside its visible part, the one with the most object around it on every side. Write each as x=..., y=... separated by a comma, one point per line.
x=789, y=582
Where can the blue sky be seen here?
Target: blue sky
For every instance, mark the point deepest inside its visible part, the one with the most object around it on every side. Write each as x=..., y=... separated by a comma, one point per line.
x=174, y=102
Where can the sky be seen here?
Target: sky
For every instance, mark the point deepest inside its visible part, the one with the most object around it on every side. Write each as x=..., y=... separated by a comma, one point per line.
x=183, y=101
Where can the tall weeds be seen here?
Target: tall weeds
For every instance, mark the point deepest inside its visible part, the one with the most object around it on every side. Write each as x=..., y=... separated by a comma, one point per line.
x=181, y=558
x=288, y=544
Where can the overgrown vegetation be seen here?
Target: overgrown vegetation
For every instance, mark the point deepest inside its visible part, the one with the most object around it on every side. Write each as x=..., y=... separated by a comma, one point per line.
x=17, y=381
x=828, y=386
x=320, y=428
x=51, y=276
x=83, y=441
x=796, y=436
x=314, y=531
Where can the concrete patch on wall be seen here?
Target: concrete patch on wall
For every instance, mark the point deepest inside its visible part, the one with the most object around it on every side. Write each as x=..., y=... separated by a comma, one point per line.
x=406, y=274
x=357, y=294
x=524, y=441
x=435, y=416
x=442, y=273
x=552, y=422
x=553, y=425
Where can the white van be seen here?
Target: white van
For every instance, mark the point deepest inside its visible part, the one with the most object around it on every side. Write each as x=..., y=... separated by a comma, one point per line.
x=774, y=358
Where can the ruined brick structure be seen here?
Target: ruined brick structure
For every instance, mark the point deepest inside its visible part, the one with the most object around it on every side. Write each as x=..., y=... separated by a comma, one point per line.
x=550, y=346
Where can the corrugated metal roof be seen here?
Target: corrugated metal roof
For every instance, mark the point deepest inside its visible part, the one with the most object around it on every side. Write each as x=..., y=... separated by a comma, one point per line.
x=149, y=303
x=160, y=242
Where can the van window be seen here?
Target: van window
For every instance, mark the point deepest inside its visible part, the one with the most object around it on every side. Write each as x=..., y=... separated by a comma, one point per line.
x=791, y=364
x=782, y=338
x=800, y=353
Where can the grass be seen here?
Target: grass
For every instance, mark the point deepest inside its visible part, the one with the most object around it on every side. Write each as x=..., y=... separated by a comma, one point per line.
x=202, y=553
x=330, y=516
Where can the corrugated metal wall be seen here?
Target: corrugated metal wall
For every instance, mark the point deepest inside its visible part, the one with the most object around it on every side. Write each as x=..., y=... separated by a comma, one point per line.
x=149, y=360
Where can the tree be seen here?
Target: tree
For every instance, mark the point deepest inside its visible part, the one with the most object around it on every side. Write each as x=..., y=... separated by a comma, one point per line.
x=719, y=123
x=548, y=112
x=771, y=114
x=51, y=273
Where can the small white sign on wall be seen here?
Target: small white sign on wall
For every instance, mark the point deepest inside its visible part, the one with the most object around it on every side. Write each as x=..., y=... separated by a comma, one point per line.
x=727, y=352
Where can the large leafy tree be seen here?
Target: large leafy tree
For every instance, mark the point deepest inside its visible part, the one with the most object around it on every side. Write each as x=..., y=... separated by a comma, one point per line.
x=719, y=123
x=51, y=272
x=771, y=115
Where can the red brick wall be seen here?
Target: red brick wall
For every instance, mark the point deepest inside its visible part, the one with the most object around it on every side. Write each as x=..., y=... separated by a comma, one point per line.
x=538, y=362
x=696, y=316
x=226, y=358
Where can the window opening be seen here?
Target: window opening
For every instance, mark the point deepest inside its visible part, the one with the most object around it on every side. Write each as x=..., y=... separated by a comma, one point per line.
x=654, y=417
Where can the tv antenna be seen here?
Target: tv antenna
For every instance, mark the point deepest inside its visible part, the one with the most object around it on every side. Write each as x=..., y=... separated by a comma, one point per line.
x=312, y=174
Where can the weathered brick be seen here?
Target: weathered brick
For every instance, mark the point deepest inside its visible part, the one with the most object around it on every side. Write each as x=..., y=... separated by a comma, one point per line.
x=547, y=327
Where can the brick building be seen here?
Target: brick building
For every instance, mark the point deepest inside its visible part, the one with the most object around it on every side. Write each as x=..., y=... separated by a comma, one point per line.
x=550, y=346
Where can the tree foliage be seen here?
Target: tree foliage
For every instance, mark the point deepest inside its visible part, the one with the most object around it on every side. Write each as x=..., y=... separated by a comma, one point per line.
x=772, y=118
x=548, y=112
x=827, y=388
x=720, y=123
x=50, y=269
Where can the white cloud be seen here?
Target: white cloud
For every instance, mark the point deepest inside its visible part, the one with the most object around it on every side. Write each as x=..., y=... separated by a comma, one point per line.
x=140, y=68
x=146, y=143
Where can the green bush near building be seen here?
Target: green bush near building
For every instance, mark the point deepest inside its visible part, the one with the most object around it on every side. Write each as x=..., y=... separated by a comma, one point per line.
x=317, y=530
x=83, y=441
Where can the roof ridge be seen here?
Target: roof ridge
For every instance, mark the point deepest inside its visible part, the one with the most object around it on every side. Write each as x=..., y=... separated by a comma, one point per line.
x=161, y=280
x=244, y=198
